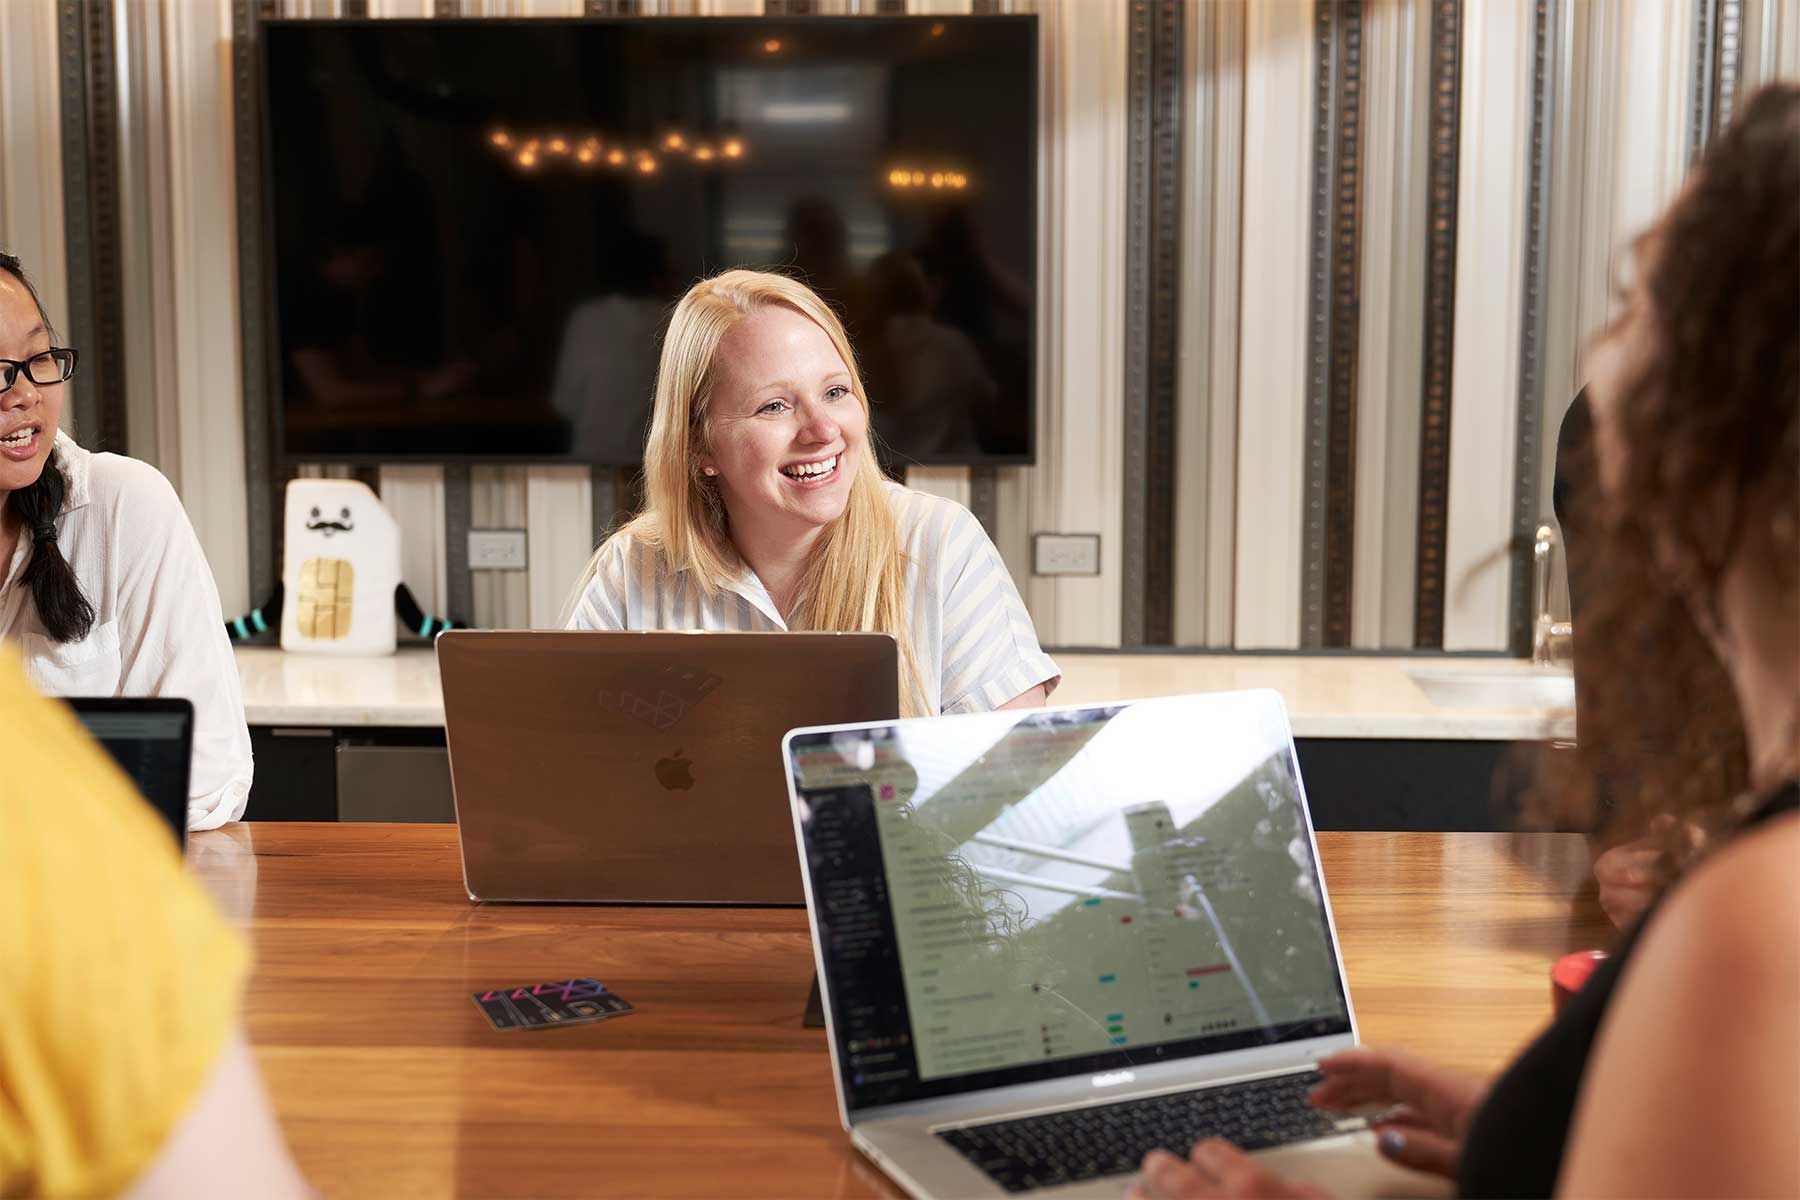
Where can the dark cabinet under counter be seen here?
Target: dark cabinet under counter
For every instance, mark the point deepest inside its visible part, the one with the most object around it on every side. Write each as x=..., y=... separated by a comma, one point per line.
x=314, y=773
x=1418, y=784
x=403, y=774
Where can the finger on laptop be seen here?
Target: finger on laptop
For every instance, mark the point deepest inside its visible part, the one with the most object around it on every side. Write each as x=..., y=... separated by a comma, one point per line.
x=1240, y=1175
x=1419, y=1148
x=1165, y=1177
x=1353, y=1079
x=1359, y=1078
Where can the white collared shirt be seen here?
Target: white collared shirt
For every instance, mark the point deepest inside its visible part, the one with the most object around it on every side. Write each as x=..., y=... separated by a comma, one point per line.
x=158, y=629
x=974, y=640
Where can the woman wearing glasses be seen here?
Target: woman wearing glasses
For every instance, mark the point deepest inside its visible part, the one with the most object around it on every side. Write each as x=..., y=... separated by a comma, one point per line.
x=103, y=586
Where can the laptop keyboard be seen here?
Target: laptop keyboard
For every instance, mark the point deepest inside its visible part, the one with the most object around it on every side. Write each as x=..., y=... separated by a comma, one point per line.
x=1088, y=1143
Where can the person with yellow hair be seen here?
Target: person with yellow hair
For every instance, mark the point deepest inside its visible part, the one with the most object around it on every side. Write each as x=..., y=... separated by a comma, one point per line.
x=765, y=509
x=123, y=1064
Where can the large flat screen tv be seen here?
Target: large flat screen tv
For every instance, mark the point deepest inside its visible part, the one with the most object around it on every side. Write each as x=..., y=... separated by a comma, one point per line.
x=477, y=229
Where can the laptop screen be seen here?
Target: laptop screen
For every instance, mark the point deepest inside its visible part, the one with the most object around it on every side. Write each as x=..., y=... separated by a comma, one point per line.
x=1025, y=895
x=152, y=741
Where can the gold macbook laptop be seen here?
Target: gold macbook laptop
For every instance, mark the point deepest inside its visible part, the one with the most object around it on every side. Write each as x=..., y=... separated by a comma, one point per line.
x=627, y=768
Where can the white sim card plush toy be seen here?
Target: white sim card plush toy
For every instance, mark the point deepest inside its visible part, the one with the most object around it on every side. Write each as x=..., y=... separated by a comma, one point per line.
x=339, y=571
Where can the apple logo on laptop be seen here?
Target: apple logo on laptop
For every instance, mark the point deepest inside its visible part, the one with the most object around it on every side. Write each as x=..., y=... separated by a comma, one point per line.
x=675, y=772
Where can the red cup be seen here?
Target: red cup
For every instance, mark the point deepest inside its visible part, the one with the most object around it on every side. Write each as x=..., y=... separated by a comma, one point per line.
x=1570, y=975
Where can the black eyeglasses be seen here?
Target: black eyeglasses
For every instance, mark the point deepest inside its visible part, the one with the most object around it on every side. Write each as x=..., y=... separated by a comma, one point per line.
x=54, y=365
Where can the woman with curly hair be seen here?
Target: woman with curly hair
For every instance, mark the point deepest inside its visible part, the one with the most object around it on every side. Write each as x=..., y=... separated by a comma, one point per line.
x=1676, y=1070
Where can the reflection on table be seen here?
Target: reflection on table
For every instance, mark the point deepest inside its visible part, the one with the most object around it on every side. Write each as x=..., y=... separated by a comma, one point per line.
x=389, y=1081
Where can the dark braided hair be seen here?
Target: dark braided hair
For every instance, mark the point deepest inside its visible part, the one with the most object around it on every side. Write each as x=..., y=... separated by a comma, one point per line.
x=65, y=611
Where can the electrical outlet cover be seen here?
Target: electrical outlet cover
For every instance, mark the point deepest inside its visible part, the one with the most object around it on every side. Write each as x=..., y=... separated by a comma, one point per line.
x=1065, y=554
x=496, y=549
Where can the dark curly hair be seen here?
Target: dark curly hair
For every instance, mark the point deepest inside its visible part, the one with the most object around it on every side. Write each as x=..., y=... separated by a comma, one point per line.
x=62, y=607
x=1708, y=420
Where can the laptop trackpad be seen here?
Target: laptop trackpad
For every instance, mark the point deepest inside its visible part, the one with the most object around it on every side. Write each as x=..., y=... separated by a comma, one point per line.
x=1350, y=1166
x=1347, y=1167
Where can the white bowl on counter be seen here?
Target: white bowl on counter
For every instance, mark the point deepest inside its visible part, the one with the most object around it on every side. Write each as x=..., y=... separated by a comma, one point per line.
x=1495, y=686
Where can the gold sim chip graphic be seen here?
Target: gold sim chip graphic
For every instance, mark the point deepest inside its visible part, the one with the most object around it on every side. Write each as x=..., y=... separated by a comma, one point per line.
x=327, y=585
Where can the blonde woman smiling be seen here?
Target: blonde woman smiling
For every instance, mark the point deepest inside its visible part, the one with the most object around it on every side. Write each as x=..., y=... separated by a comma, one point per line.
x=765, y=510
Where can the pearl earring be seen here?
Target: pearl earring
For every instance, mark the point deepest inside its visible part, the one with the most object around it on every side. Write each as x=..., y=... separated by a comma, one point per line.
x=710, y=470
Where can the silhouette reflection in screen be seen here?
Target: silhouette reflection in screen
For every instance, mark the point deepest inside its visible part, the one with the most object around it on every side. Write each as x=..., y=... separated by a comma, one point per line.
x=606, y=366
x=927, y=379
x=362, y=339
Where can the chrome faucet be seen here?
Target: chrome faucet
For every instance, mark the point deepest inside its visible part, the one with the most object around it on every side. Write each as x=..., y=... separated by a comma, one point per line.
x=1551, y=640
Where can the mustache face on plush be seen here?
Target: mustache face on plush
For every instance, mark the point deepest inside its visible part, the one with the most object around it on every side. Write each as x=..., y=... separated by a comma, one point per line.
x=318, y=523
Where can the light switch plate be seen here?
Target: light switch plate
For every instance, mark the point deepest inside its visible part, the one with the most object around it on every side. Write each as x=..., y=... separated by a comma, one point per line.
x=496, y=549
x=1065, y=554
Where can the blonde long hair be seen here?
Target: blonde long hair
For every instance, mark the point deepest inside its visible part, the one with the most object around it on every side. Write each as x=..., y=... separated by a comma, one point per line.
x=856, y=578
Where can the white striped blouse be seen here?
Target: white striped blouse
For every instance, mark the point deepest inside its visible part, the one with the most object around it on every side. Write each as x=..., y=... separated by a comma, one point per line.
x=967, y=617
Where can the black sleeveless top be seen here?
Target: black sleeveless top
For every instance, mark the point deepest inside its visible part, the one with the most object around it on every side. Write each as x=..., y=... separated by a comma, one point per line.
x=1515, y=1145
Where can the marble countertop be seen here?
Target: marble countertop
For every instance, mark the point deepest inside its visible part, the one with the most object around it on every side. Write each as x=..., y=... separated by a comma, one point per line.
x=1345, y=696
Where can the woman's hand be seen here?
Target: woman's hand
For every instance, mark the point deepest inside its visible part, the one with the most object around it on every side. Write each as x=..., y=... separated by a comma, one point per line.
x=1429, y=1113
x=1431, y=1107
x=1632, y=873
x=1215, y=1169
x=1628, y=876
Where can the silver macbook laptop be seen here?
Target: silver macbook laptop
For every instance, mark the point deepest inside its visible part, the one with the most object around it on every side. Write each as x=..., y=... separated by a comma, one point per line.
x=641, y=767
x=1051, y=941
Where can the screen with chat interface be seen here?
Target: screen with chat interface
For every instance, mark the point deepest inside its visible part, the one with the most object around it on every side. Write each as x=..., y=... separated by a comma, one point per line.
x=1018, y=896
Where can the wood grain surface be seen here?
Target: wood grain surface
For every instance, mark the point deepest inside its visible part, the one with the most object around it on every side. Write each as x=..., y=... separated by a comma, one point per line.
x=390, y=1082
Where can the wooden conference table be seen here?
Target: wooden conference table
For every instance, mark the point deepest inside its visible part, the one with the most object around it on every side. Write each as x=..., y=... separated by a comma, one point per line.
x=389, y=1081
